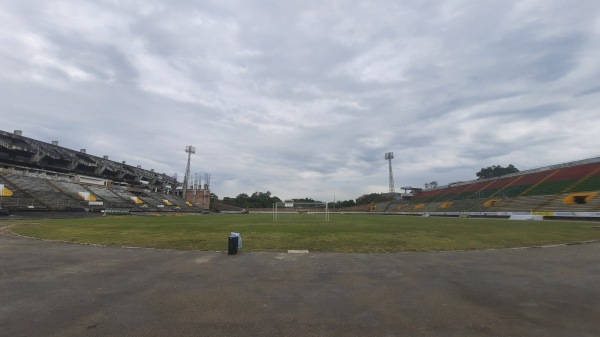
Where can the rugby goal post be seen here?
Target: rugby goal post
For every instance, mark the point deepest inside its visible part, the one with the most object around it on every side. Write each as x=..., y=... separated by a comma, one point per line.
x=300, y=211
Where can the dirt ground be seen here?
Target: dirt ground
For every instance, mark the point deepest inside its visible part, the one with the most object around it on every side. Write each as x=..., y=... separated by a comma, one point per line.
x=59, y=289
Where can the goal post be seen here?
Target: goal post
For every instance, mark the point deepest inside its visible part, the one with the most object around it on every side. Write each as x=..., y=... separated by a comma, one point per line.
x=300, y=211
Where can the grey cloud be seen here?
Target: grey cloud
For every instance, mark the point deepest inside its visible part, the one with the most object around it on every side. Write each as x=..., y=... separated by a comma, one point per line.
x=304, y=98
x=589, y=91
x=534, y=112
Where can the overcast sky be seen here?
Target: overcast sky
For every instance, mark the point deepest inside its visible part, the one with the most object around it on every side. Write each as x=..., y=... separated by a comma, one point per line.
x=304, y=98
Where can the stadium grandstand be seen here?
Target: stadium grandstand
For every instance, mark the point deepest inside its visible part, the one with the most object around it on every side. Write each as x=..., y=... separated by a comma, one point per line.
x=565, y=190
x=36, y=175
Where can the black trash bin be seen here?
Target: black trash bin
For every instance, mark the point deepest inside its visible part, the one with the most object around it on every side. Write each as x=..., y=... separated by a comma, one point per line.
x=232, y=245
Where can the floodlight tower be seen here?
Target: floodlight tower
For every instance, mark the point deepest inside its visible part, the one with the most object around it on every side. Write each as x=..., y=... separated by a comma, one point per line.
x=189, y=150
x=205, y=203
x=389, y=156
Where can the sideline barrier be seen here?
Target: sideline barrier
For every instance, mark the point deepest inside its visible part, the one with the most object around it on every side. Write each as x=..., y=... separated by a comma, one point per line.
x=490, y=214
x=117, y=211
x=526, y=217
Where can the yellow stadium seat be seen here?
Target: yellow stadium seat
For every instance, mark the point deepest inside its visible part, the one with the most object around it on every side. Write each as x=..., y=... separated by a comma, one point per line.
x=5, y=192
x=579, y=198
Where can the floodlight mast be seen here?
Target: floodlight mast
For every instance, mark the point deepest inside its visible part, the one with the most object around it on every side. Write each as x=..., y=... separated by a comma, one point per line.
x=389, y=156
x=205, y=191
x=189, y=150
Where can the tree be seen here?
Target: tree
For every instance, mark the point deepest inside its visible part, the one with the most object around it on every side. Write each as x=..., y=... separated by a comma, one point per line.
x=241, y=200
x=304, y=200
x=432, y=184
x=496, y=171
x=214, y=199
x=262, y=200
x=256, y=200
x=341, y=203
x=373, y=197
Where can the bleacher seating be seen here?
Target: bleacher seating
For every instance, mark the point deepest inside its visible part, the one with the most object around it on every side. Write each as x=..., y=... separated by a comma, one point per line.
x=498, y=187
x=591, y=183
x=465, y=205
x=157, y=200
x=74, y=190
x=44, y=175
x=538, y=190
x=355, y=208
x=176, y=200
x=428, y=195
x=61, y=194
x=124, y=194
x=69, y=187
x=20, y=198
x=428, y=207
x=110, y=199
x=522, y=204
x=556, y=204
x=44, y=192
x=141, y=203
x=380, y=206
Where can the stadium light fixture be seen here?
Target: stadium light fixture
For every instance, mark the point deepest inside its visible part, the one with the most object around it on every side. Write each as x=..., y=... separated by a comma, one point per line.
x=389, y=156
x=189, y=150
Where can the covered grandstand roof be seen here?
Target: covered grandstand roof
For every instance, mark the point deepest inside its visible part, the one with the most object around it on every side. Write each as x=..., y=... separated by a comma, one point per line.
x=18, y=150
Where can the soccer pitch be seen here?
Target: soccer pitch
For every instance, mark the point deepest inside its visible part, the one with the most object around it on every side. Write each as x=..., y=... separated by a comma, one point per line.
x=343, y=233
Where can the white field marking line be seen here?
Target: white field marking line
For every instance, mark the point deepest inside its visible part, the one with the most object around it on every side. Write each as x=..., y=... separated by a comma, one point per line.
x=294, y=251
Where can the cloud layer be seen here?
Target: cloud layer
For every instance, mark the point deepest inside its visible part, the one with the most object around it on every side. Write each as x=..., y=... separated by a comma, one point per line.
x=304, y=98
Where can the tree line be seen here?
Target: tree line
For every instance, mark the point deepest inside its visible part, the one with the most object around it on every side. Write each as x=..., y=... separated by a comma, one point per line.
x=493, y=171
x=266, y=199
x=256, y=200
x=496, y=171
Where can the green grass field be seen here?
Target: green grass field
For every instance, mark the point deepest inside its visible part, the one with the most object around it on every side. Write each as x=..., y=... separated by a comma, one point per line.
x=344, y=233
